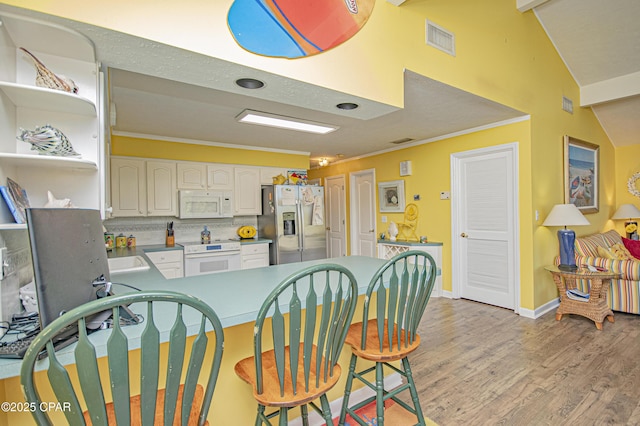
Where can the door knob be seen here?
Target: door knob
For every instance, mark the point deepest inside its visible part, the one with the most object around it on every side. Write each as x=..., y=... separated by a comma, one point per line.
x=463, y=235
x=372, y=230
x=328, y=228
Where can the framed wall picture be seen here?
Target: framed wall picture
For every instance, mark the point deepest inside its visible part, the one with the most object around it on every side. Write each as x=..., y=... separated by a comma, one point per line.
x=391, y=196
x=581, y=174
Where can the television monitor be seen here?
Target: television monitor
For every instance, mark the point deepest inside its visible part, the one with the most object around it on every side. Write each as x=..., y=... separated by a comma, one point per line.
x=68, y=252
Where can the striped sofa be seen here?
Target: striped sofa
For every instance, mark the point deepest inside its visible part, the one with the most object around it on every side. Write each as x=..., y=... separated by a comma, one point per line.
x=623, y=295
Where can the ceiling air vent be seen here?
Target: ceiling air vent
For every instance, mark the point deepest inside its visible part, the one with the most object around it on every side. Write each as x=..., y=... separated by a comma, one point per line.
x=441, y=39
x=403, y=140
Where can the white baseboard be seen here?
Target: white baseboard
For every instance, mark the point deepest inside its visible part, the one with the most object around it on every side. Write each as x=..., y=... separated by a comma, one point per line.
x=537, y=313
x=392, y=381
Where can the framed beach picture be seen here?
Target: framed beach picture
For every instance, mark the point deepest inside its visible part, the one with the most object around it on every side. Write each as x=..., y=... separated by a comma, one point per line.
x=581, y=174
x=391, y=196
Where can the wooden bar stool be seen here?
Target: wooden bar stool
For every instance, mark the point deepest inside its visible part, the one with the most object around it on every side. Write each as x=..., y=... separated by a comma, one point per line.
x=402, y=287
x=302, y=366
x=180, y=400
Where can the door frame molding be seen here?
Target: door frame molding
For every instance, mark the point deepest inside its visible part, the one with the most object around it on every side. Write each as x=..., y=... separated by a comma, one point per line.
x=456, y=187
x=352, y=198
x=344, y=203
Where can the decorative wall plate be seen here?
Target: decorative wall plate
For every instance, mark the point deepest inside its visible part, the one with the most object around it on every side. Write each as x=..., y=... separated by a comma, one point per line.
x=631, y=184
x=296, y=28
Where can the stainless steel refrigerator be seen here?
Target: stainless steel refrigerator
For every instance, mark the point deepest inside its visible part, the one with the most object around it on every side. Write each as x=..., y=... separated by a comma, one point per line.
x=293, y=217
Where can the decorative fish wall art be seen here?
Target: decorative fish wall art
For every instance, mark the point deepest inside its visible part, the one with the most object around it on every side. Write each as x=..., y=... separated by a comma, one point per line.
x=296, y=28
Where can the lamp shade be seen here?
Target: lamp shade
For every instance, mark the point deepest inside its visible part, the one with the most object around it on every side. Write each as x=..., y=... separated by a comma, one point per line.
x=626, y=211
x=565, y=215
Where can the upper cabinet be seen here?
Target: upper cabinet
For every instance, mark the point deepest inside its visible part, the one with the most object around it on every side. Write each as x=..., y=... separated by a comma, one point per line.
x=220, y=176
x=143, y=188
x=248, y=191
x=24, y=105
x=192, y=175
x=162, y=196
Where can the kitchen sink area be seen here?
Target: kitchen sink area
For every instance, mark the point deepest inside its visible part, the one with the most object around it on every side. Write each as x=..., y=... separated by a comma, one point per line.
x=120, y=265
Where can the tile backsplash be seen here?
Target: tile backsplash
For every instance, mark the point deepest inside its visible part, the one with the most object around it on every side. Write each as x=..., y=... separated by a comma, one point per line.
x=151, y=230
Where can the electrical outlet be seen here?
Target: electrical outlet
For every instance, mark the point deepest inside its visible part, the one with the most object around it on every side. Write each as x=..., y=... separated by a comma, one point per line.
x=445, y=195
x=384, y=219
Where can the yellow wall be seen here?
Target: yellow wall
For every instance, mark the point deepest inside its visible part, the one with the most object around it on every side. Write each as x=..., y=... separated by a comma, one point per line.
x=431, y=172
x=627, y=164
x=149, y=148
x=501, y=54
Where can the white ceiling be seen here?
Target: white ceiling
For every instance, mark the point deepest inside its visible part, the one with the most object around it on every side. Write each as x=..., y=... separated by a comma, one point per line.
x=155, y=106
x=163, y=91
x=599, y=42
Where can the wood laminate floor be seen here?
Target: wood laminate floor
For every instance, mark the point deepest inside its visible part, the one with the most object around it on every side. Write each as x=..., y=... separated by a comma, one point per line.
x=483, y=365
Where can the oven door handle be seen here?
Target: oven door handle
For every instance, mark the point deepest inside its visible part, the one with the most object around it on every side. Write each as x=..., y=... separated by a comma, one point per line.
x=211, y=254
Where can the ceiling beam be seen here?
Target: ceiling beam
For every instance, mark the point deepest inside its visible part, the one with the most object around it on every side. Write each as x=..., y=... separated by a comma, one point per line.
x=396, y=2
x=610, y=90
x=524, y=5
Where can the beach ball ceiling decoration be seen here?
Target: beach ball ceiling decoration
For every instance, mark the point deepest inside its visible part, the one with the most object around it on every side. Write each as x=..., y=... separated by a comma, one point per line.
x=296, y=28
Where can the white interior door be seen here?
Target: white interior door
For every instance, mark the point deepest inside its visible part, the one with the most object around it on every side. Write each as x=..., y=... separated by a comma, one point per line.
x=484, y=214
x=336, y=216
x=363, y=213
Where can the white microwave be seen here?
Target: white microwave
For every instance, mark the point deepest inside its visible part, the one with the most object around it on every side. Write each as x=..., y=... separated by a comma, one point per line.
x=205, y=204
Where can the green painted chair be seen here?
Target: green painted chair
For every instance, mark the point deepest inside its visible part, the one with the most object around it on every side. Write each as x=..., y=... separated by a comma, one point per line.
x=184, y=400
x=306, y=342
x=402, y=287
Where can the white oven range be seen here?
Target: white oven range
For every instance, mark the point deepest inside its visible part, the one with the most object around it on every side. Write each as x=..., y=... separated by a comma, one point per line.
x=217, y=256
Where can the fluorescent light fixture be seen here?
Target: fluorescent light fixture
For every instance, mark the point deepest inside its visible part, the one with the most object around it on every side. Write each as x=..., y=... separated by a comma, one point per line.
x=273, y=120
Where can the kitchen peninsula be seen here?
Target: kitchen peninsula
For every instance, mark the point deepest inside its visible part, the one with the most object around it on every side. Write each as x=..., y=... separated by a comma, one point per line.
x=236, y=297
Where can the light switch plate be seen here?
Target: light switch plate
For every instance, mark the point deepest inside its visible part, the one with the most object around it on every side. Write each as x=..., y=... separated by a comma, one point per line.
x=405, y=168
x=445, y=195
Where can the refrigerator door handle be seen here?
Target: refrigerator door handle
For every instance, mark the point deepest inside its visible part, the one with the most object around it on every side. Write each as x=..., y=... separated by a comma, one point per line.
x=300, y=226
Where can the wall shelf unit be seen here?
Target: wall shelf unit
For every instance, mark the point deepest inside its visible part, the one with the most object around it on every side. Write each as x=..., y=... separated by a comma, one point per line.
x=35, y=160
x=23, y=105
x=26, y=96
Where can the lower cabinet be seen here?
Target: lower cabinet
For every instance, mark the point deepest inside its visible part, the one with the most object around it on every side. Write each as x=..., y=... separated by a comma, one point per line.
x=254, y=255
x=169, y=262
x=388, y=249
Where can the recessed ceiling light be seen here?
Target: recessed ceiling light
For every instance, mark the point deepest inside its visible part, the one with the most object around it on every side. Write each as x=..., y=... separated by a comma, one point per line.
x=249, y=83
x=280, y=121
x=347, y=105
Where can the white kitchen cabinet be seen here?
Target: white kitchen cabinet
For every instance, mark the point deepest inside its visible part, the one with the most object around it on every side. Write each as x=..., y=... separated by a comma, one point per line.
x=143, y=187
x=268, y=173
x=220, y=177
x=191, y=175
x=255, y=255
x=77, y=115
x=128, y=187
x=247, y=191
x=162, y=193
x=169, y=262
x=388, y=249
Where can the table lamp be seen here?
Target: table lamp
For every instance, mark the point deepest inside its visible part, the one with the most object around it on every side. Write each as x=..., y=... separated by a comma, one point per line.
x=629, y=212
x=565, y=215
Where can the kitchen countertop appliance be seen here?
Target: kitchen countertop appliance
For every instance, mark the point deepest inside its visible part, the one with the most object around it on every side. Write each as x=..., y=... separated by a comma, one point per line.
x=293, y=217
x=216, y=256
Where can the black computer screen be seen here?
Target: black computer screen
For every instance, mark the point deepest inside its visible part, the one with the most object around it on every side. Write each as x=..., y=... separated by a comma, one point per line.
x=68, y=252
